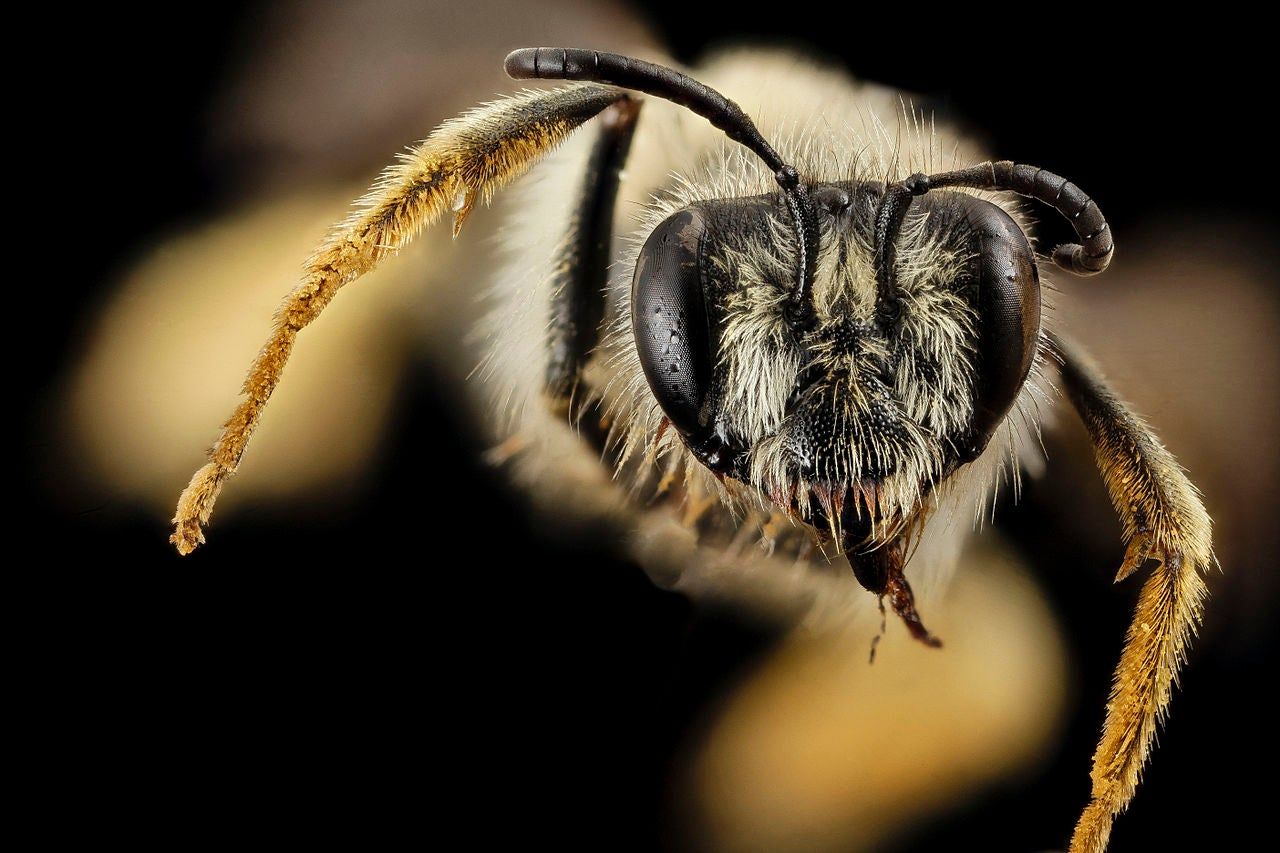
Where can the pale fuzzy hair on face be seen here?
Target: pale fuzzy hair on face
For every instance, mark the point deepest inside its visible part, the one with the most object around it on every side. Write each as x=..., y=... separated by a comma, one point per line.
x=760, y=366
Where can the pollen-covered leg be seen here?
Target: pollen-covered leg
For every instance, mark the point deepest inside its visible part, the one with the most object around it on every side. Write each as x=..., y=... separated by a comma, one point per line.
x=581, y=275
x=463, y=160
x=1164, y=521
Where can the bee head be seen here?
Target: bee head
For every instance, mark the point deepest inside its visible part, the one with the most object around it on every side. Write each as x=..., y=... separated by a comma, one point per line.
x=890, y=383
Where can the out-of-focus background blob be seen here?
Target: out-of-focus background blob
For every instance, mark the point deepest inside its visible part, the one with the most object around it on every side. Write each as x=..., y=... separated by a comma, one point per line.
x=793, y=743
x=819, y=751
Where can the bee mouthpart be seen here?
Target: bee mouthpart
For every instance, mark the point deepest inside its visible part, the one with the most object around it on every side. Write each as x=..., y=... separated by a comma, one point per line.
x=850, y=513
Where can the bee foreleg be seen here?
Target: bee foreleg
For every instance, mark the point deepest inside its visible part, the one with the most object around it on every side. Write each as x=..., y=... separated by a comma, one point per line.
x=462, y=161
x=581, y=276
x=1164, y=521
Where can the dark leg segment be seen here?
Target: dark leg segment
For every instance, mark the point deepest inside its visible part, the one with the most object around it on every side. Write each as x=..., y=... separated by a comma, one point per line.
x=578, y=293
x=578, y=298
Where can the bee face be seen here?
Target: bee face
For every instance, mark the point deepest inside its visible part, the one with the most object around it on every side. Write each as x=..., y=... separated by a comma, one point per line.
x=849, y=421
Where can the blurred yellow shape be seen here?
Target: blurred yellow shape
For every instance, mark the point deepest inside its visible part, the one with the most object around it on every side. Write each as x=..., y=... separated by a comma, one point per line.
x=820, y=750
x=165, y=362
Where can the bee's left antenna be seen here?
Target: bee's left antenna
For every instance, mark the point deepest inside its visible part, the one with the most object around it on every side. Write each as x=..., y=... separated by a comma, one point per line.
x=571, y=63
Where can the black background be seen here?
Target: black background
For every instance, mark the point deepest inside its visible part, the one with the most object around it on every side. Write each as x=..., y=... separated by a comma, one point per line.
x=294, y=688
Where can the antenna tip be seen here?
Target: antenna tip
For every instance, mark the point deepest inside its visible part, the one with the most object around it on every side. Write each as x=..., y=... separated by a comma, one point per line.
x=522, y=64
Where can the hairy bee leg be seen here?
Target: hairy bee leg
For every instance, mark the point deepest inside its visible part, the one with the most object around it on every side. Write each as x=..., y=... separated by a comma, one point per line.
x=881, y=572
x=581, y=276
x=465, y=159
x=1164, y=520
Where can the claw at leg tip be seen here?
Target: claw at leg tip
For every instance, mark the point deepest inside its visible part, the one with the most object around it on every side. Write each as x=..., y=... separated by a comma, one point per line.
x=1135, y=556
x=1126, y=570
x=187, y=536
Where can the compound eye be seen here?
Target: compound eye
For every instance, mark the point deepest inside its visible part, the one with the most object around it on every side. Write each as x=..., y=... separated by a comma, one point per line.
x=1008, y=313
x=669, y=319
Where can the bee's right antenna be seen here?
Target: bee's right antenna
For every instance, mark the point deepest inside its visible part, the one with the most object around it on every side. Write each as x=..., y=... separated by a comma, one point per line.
x=1090, y=256
x=558, y=63
x=1094, y=251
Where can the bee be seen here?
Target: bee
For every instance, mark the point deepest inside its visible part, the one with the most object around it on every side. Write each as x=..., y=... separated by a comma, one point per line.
x=800, y=339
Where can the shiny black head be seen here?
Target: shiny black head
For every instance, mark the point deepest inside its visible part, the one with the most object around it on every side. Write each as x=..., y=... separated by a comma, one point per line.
x=881, y=391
